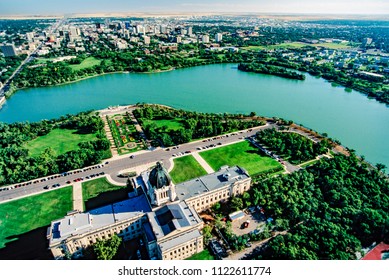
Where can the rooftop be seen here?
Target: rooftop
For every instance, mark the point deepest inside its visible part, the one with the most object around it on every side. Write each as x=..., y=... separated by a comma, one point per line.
x=81, y=223
x=167, y=245
x=172, y=217
x=379, y=252
x=223, y=177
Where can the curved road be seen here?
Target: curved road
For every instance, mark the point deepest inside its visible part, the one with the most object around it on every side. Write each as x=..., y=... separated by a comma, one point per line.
x=114, y=166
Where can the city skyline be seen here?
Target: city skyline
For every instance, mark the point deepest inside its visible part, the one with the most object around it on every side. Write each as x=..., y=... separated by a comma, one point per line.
x=56, y=7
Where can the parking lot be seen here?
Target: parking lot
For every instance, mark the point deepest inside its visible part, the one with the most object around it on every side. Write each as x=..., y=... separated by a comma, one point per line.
x=255, y=220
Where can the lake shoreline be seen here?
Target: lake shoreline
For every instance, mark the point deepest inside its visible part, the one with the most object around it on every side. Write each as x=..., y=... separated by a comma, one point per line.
x=220, y=88
x=86, y=78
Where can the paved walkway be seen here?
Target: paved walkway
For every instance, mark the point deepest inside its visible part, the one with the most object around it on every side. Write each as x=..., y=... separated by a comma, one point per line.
x=108, y=132
x=170, y=165
x=78, y=203
x=113, y=182
x=203, y=163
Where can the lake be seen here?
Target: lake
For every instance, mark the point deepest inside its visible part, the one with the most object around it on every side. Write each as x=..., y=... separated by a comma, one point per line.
x=358, y=122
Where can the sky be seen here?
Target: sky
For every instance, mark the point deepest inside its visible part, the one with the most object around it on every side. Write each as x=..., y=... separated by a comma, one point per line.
x=59, y=7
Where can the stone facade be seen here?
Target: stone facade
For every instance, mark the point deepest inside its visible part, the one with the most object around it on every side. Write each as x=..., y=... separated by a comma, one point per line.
x=165, y=216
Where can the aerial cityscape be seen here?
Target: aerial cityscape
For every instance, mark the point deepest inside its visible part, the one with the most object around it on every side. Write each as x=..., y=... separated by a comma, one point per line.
x=202, y=130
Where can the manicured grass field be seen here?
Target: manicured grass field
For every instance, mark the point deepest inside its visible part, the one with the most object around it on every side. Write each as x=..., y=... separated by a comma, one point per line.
x=60, y=140
x=173, y=124
x=86, y=63
x=242, y=154
x=93, y=188
x=334, y=46
x=294, y=45
x=204, y=255
x=186, y=168
x=25, y=214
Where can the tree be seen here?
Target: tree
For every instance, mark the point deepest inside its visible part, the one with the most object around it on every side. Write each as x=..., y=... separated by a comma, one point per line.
x=207, y=233
x=216, y=207
x=107, y=249
x=236, y=203
x=380, y=166
x=246, y=199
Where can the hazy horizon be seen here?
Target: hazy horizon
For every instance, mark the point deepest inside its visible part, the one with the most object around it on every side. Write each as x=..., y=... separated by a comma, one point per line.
x=59, y=7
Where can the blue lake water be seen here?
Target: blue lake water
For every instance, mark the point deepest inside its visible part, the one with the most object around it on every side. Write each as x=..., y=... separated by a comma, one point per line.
x=358, y=122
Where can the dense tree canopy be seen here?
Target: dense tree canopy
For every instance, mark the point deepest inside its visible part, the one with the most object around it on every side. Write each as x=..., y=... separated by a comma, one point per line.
x=271, y=70
x=194, y=125
x=332, y=208
x=16, y=165
x=107, y=249
x=295, y=147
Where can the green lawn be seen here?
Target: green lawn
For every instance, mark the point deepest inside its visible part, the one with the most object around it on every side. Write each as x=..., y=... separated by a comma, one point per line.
x=60, y=140
x=172, y=124
x=294, y=45
x=204, y=255
x=93, y=188
x=242, y=154
x=186, y=168
x=86, y=63
x=254, y=48
x=25, y=214
x=333, y=45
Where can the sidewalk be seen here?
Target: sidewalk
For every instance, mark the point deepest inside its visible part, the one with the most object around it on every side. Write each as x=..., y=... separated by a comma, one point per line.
x=203, y=163
x=78, y=203
x=108, y=132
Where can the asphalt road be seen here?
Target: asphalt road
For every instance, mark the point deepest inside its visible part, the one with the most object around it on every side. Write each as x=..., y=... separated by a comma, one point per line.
x=114, y=166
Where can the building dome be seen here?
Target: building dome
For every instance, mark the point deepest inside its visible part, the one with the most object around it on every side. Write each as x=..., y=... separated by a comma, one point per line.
x=159, y=177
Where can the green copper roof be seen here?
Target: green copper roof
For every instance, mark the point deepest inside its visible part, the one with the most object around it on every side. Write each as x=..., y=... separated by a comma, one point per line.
x=159, y=177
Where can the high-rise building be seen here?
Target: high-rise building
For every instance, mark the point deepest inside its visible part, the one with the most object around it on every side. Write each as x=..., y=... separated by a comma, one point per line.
x=147, y=40
x=218, y=37
x=163, y=29
x=30, y=36
x=140, y=29
x=367, y=41
x=126, y=34
x=8, y=50
x=189, y=31
x=74, y=31
x=127, y=25
x=205, y=39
